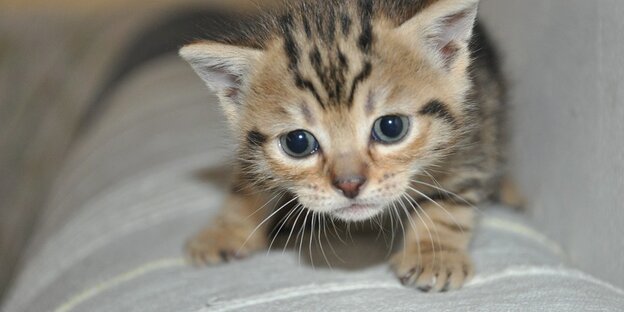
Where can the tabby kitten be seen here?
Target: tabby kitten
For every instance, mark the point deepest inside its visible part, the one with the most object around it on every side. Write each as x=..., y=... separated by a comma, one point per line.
x=354, y=107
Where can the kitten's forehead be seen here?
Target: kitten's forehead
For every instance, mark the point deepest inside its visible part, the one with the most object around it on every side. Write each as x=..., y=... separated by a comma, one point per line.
x=325, y=52
x=328, y=63
x=328, y=50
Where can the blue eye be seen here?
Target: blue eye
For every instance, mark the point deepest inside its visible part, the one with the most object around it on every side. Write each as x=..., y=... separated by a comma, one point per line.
x=390, y=129
x=299, y=144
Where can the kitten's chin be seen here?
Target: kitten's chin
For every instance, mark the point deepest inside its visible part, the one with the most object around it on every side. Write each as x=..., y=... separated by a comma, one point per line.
x=357, y=212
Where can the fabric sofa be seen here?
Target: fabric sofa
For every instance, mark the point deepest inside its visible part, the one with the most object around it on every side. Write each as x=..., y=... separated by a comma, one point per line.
x=150, y=174
x=149, y=170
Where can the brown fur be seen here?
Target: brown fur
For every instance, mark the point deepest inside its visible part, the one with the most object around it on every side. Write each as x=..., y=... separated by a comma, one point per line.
x=334, y=67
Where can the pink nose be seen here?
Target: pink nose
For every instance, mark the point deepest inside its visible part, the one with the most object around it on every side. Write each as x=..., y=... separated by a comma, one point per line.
x=350, y=186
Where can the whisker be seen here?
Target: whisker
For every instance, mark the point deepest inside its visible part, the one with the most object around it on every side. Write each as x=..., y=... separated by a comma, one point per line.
x=441, y=207
x=395, y=227
x=266, y=204
x=411, y=201
x=265, y=221
x=329, y=241
x=301, y=210
x=395, y=212
x=283, y=220
x=436, y=231
x=311, y=238
x=463, y=200
x=381, y=229
x=349, y=231
x=283, y=223
x=424, y=224
x=321, y=242
x=382, y=219
x=432, y=178
x=413, y=225
x=391, y=229
x=336, y=231
x=305, y=223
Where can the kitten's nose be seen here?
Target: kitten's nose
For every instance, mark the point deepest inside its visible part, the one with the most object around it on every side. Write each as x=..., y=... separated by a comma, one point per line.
x=350, y=186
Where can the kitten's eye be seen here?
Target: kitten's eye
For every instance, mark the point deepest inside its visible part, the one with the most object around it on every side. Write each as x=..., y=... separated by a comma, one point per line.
x=299, y=144
x=390, y=129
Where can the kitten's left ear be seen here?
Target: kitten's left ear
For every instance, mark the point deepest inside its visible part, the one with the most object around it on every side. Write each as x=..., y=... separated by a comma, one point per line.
x=225, y=69
x=444, y=28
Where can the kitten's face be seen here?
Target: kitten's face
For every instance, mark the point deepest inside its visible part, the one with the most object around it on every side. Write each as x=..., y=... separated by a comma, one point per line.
x=345, y=124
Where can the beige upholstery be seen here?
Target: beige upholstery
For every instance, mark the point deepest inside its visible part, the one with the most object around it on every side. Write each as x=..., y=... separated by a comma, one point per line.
x=564, y=59
x=566, y=75
x=151, y=174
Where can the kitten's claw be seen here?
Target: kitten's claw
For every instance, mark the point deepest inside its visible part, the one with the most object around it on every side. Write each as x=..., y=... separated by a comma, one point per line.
x=447, y=270
x=218, y=245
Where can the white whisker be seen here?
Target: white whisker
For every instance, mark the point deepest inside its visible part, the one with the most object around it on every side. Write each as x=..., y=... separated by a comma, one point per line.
x=398, y=216
x=265, y=221
x=463, y=200
x=329, y=241
x=301, y=210
x=267, y=203
x=424, y=224
x=349, y=232
x=283, y=222
x=435, y=230
x=441, y=207
x=413, y=225
x=320, y=242
x=336, y=231
x=312, y=238
x=305, y=223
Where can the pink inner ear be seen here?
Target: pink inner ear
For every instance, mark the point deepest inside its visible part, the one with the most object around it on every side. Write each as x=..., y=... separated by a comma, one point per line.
x=232, y=93
x=449, y=53
x=222, y=80
x=454, y=31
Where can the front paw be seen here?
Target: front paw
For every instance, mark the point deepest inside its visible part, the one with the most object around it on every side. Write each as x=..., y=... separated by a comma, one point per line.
x=432, y=271
x=216, y=245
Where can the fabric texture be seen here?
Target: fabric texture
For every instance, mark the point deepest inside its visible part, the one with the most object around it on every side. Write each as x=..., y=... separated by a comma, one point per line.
x=152, y=173
x=53, y=62
x=564, y=62
x=57, y=60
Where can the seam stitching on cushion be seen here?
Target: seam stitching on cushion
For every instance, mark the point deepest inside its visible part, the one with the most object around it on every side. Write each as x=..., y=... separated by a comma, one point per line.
x=317, y=289
x=119, y=280
x=295, y=292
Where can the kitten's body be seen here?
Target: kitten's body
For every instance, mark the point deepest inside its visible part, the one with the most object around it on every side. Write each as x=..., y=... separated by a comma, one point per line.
x=334, y=69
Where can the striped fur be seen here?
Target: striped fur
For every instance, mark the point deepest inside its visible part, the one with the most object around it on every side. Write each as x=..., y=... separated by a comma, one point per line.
x=334, y=67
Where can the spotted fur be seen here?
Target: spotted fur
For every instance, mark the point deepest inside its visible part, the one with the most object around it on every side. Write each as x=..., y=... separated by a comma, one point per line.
x=334, y=67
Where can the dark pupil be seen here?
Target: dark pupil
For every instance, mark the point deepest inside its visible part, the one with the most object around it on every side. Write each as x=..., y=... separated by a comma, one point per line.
x=391, y=126
x=297, y=142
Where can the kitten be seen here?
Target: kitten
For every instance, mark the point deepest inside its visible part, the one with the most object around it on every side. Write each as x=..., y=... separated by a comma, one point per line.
x=354, y=107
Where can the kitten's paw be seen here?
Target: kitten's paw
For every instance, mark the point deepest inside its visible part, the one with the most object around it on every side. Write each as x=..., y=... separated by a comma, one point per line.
x=222, y=244
x=429, y=272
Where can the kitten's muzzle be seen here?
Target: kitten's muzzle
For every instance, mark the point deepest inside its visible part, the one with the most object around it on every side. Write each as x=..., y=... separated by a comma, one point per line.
x=350, y=186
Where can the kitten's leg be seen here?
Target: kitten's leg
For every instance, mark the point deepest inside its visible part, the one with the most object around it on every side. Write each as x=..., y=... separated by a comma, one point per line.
x=229, y=235
x=435, y=257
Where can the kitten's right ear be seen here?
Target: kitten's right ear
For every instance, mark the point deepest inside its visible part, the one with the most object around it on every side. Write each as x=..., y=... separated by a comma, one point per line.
x=444, y=29
x=225, y=69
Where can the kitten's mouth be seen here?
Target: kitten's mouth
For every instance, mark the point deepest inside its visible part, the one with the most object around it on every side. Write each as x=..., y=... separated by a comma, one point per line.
x=357, y=212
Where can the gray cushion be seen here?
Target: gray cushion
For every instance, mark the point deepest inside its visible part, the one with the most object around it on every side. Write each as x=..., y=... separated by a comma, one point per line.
x=151, y=174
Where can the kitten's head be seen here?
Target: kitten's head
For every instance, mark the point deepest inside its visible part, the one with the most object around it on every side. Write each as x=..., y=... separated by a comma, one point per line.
x=346, y=100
